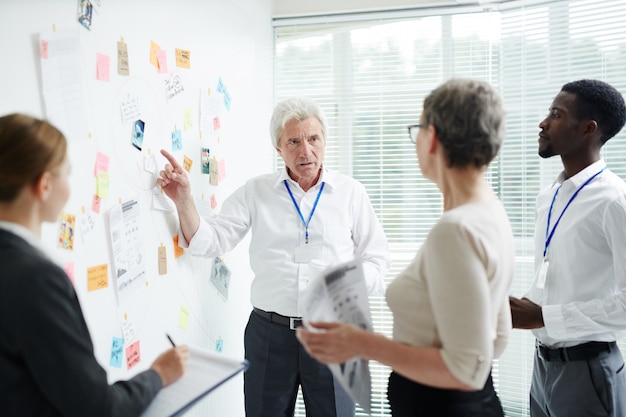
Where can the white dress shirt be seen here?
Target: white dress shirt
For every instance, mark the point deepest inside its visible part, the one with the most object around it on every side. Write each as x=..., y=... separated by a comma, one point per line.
x=343, y=227
x=584, y=293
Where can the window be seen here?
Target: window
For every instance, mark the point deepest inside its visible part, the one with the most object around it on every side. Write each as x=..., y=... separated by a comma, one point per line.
x=371, y=72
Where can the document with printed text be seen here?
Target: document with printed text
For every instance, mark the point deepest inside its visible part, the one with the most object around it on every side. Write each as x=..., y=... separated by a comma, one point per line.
x=339, y=294
x=205, y=371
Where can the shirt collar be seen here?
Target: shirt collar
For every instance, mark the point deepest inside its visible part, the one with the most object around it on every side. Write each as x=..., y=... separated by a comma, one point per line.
x=580, y=178
x=327, y=176
x=27, y=235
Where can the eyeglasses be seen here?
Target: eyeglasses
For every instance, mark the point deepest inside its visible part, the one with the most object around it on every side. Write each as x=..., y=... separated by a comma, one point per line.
x=414, y=130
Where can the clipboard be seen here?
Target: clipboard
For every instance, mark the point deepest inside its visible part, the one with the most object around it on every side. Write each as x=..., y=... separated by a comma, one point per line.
x=204, y=372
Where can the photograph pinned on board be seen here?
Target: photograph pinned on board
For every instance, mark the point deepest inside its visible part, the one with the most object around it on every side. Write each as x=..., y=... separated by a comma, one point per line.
x=220, y=276
x=138, y=132
x=204, y=159
x=85, y=12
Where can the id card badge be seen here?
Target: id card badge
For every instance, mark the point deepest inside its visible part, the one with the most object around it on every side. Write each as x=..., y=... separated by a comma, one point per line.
x=306, y=252
x=543, y=273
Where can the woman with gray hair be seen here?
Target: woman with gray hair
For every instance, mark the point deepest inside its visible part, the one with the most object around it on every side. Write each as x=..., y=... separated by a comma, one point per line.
x=450, y=305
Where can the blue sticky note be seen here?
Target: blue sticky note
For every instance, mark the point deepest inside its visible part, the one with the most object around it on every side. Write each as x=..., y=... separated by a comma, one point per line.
x=227, y=100
x=177, y=140
x=219, y=344
x=117, y=352
x=220, y=86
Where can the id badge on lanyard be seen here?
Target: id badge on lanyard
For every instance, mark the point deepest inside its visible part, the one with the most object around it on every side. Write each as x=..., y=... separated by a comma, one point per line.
x=542, y=274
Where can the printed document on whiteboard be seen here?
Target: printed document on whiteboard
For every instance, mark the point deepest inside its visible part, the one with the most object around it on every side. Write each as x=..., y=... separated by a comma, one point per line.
x=339, y=294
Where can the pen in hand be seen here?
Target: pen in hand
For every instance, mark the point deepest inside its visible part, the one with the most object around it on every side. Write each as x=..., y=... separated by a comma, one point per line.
x=170, y=339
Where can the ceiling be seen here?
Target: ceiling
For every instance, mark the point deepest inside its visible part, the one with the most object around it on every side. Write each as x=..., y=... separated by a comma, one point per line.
x=308, y=7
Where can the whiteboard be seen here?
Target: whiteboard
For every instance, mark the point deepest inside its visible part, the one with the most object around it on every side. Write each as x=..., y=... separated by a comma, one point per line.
x=227, y=42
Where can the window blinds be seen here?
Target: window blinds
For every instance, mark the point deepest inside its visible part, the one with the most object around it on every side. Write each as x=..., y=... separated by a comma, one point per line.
x=371, y=72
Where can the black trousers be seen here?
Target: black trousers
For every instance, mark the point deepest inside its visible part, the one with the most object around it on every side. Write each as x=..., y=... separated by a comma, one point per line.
x=278, y=366
x=408, y=398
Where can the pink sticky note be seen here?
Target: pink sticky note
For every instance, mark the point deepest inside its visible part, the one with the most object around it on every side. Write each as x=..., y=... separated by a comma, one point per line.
x=213, y=201
x=133, y=355
x=162, y=58
x=216, y=123
x=221, y=170
x=69, y=270
x=102, y=67
x=43, y=49
x=102, y=164
x=95, y=204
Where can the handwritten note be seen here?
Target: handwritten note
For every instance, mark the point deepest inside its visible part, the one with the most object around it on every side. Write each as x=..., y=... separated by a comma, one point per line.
x=183, y=58
x=130, y=109
x=97, y=277
x=187, y=163
x=95, y=204
x=102, y=163
x=122, y=59
x=117, y=352
x=133, y=355
x=102, y=184
x=177, y=140
x=162, y=260
x=173, y=87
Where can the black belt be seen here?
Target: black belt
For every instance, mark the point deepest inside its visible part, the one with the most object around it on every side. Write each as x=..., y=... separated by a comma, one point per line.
x=292, y=322
x=581, y=352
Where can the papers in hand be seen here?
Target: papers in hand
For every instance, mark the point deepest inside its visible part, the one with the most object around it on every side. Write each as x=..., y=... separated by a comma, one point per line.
x=339, y=294
x=204, y=372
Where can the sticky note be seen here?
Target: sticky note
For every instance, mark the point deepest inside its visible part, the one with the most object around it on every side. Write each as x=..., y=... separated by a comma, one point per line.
x=95, y=204
x=178, y=251
x=183, y=318
x=102, y=185
x=162, y=260
x=154, y=47
x=162, y=60
x=117, y=352
x=97, y=277
x=133, y=355
x=183, y=58
x=102, y=67
x=69, y=270
x=187, y=163
x=122, y=59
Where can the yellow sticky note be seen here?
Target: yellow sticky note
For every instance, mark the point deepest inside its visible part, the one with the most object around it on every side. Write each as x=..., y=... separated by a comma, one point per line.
x=187, y=163
x=183, y=318
x=183, y=58
x=97, y=277
x=102, y=185
x=153, y=53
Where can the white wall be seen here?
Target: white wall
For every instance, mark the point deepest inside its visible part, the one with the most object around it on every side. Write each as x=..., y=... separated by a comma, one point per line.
x=231, y=39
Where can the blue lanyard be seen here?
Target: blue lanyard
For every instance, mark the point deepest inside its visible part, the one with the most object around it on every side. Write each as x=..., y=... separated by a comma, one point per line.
x=549, y=233
x=306, y=223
